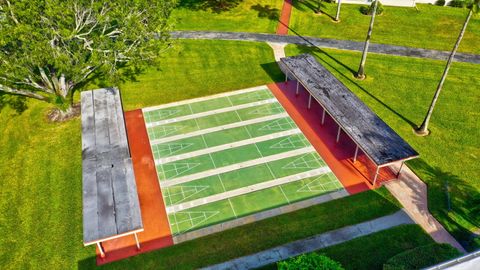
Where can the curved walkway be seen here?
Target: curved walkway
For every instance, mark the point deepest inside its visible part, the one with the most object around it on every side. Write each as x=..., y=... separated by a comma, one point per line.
x=328, y=43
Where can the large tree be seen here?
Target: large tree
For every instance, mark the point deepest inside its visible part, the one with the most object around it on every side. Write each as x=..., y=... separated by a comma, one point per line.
x=51, y=48
x=474, y=7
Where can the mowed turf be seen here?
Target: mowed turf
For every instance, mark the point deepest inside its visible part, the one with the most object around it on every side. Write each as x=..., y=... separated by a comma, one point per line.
x=215, y=165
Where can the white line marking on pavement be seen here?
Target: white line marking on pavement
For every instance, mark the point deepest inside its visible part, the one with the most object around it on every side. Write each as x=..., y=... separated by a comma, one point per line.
x=248, y=189
x=228, y=146
x=249, y=163
x=193, y=100
x=212, y=112
x=219, y=128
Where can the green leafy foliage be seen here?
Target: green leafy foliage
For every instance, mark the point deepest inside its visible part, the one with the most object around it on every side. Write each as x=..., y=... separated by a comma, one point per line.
x=311, y=261
x=368, y=10
x=440, y=3
x=421, y=257
x=50, y=49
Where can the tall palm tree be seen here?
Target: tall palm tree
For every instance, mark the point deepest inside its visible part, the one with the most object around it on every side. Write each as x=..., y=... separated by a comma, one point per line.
x=474, y=9
x=361, y=69
x=339, y=5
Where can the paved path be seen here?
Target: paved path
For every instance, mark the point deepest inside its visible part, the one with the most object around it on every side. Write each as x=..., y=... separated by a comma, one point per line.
x=284, y=21
x=328, y=43
x=314, y=243
x=411, y=192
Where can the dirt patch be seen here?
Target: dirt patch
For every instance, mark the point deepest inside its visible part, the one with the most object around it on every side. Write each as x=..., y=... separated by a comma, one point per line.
x=56, y=115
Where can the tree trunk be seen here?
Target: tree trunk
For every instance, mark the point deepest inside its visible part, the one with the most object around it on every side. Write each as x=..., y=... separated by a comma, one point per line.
x=423, y=129
x=339, y=5
x=361, y=69
x=319, y=6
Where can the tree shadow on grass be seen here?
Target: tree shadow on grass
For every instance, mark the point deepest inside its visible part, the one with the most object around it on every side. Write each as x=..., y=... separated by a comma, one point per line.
x=312, y=49
x=17, y=103
x=215, y=6
x=313, y=6
x=265, y=11
x=453, y=201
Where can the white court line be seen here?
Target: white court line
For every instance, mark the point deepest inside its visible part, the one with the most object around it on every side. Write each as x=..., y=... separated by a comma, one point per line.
x=219, y=128
x=193, y=100
x=212, y=112
x=249, y=163
x=228, y=146
x=248, y=189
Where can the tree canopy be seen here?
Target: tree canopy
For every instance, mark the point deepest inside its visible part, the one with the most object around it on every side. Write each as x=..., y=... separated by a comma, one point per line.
x=51, y=48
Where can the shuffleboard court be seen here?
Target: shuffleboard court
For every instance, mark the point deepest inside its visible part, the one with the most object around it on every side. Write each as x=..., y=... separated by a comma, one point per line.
x=227, y=156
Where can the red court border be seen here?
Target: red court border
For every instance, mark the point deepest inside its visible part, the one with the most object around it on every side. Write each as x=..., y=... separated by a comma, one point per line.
x=354, y=176
x=156, y=232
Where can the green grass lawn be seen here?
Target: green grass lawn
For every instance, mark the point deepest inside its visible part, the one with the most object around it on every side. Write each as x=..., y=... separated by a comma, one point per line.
x=248, y=16
x=264, y=234
x=399, y=90
x=201, y=68
x=364, y=252
x=430, y=27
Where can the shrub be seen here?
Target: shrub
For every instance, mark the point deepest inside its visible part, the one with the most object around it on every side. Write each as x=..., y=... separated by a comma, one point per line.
x=368, y=10
x=311, y=261
x=458, y=3
x=440, y=3
x=421, y=257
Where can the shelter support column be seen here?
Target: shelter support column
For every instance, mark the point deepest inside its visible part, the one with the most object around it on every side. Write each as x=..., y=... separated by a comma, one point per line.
x=323, y=116
x=376, y=175
x=102, y=252
x=310, y=101
x=338, y=133
x=296, y=91
x=400, y=169
x=356, y=153
x=136, y=241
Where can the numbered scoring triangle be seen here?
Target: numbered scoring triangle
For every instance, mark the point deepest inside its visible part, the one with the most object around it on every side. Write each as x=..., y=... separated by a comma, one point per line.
x=307, y=161
x=177, y=194
x=172, y=148
x=192, y=219
x=179, y=168
x=291, y=142
x=278, y=125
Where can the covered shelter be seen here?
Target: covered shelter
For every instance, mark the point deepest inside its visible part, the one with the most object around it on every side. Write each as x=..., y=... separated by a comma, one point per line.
x=111, y=206
x=380, y=143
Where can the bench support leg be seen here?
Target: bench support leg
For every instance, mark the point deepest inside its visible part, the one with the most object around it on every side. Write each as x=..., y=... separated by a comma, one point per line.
x=296, y=91
x=309, y=101
x=400, y=169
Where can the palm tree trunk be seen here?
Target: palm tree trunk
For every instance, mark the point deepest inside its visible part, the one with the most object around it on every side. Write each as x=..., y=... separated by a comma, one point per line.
x=361, y=69
x=319, y=6
x=339, y=5
x=423, y=129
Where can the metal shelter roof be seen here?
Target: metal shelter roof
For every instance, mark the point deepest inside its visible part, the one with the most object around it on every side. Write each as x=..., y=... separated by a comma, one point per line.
x=377, y=140
x=110, y=201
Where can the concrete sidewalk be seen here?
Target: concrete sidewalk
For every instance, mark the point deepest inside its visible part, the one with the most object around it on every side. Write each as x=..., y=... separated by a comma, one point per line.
x=328, y=43
x=314, y=243
x=411, y=192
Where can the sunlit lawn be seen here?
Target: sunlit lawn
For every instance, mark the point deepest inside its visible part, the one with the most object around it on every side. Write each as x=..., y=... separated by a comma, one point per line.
x=248, y=16
x=430, y=26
